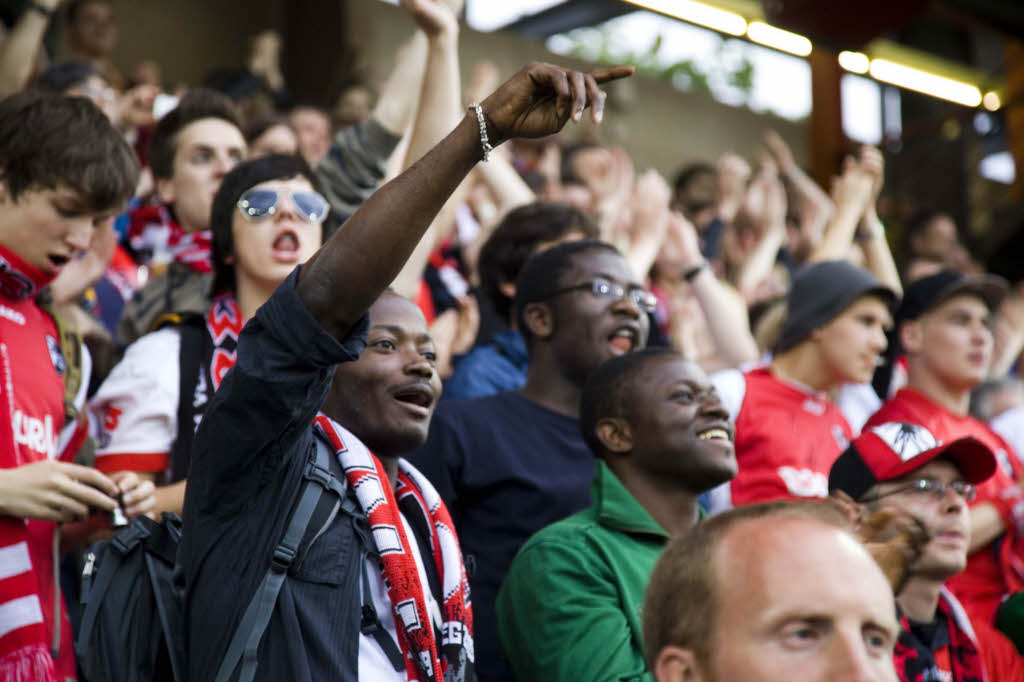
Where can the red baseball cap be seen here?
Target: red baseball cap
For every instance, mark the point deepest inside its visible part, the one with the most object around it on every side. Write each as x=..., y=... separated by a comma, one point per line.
x=891, y=450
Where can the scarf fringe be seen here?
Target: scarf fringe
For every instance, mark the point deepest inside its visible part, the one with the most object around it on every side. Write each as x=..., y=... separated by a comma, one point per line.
x=31, y=663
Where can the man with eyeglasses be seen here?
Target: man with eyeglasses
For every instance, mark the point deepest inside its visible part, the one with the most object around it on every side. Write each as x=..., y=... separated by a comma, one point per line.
x=904, y=468
x=943, y=330
x=788, y=430
x=507, y=465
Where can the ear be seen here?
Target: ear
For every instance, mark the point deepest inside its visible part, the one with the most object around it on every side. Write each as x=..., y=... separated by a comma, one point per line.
x=675, y=664
x=165, y=190
x=615, y=435
x=911, y=336
x=507, y=289
x=538, y=319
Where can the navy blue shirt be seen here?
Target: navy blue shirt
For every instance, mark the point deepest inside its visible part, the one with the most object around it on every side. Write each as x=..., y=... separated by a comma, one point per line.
x=506, y=467
x=498, y=366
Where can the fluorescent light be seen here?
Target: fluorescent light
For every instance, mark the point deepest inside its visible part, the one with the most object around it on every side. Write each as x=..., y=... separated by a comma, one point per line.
x=697, y=13
x=856, y=62
x=924, y=82
x=991, y=101
x=766, y=34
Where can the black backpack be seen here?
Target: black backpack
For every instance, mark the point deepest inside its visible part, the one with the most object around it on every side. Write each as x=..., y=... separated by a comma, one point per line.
x=133, y=627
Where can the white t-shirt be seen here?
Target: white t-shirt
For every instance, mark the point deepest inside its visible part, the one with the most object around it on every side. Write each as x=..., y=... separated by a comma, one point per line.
x=135, y=411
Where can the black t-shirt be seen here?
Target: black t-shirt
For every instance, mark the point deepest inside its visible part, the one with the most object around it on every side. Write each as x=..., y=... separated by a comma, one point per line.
x=506, y=467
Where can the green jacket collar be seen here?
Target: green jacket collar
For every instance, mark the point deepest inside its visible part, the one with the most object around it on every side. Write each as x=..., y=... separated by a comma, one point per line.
x=617, y=508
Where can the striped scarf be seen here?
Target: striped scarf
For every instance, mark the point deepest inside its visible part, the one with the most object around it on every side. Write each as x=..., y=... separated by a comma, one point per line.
x=916, y=665
x=452, y=660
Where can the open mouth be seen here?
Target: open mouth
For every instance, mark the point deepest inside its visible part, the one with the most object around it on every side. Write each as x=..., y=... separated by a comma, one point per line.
x=415, y=395
x=715, y=433
x=623, y=340
x=286, y=241
x=58, y=261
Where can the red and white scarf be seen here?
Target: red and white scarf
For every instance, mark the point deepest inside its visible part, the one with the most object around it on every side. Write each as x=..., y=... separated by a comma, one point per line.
x=425, y=659
x=157, y=238
x=915, y=665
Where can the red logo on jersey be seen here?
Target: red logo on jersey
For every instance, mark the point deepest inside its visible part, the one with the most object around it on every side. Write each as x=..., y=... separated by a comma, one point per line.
x=110, y=417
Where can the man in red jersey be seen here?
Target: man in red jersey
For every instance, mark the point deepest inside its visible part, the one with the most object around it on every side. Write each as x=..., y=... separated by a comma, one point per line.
x=788, y=431
x=64, y=169
x=943, y=328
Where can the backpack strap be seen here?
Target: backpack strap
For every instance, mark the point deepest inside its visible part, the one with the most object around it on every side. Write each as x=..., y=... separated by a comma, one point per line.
x=193, y=330
x=370, y=622
x=70, y=342
x=246, y=640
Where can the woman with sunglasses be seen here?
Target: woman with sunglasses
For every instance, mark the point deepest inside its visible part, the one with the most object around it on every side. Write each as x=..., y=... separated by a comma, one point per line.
x=267, y=217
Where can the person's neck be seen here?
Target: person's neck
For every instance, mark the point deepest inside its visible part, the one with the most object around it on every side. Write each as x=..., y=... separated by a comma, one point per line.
x=390, y=465
x=251, y=294
x=547, y=387
x=674, y=508
x=919, y=599
x=802, y=365
x=954, y=400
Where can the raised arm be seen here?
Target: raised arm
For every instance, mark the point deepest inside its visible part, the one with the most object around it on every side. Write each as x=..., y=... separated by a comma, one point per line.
x=347, y=275
x=18, y=50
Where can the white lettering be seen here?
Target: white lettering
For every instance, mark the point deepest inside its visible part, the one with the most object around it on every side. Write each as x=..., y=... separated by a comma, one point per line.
x=12, y=315
x=35, y=434
x=804, y=482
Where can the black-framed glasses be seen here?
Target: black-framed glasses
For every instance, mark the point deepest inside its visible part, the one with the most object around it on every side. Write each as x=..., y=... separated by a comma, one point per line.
x=260, y=204
x=933, y=487
x=603, y=288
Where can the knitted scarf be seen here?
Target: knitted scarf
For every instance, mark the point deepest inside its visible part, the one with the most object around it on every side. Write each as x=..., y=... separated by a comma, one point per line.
x=913, y=664
x=452, y=660
x=224, y=323
x=155, y=237
x=24, y=653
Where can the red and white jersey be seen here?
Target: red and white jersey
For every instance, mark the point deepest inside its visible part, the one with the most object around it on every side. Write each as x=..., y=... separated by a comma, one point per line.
x=982, y=585
x=135, y=411
x=32, y=391
x=787, y=437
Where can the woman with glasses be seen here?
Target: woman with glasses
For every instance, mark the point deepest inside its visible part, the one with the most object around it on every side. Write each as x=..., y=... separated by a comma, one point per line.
x=267, y=217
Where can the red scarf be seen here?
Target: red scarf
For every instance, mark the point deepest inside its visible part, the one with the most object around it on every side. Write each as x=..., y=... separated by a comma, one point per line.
x=18, y=279
x=964, y=657
x=416, y=635
x=156, y=237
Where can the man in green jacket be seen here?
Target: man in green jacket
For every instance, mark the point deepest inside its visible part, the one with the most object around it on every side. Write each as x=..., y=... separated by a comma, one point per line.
x=570, y=607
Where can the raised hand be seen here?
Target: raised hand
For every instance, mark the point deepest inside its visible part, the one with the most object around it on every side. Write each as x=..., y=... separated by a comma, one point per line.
x=434, y=17
x=541, y=98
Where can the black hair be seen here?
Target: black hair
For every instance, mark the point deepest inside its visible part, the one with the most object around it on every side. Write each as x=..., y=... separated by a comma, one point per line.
x=918, y=224
x=197, y=104
x=261, y=124
x=243, y=176
x=689, y=173
x=62, y=76
x=75, y=6
x=609, y=390
x=49, y=140
x=542, y=274
x=517, y=237
x=568, y=167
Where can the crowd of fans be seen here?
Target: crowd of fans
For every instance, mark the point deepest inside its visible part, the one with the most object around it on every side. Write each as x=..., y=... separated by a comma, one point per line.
x=583, y=421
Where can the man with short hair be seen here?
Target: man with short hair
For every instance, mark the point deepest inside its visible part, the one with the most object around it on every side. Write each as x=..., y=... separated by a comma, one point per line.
x=92, y=35
x=577, y=305
x=943, y=330
x=65, y=171
x=570, y=605
x=775, y=592
x=193, y=147
x=379, y=592
x=903, y=467
x=501, y=364
x=788, y=430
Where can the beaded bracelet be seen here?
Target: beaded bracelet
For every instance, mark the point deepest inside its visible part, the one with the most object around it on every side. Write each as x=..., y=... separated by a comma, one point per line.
x=483, y=130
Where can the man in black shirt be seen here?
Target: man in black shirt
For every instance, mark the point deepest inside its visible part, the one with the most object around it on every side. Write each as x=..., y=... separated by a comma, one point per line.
x=256, y=438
